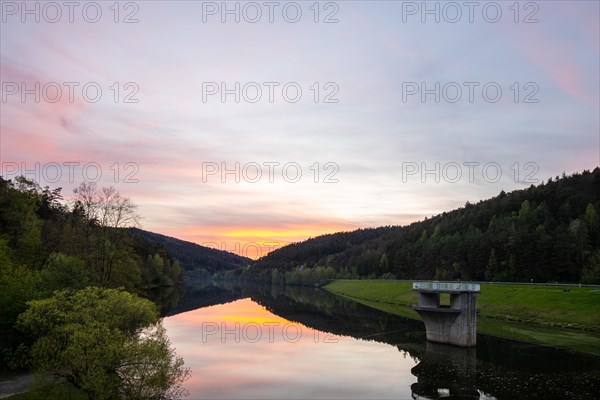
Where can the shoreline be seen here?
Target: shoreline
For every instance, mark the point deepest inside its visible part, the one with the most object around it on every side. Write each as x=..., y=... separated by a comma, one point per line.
x=572, y=332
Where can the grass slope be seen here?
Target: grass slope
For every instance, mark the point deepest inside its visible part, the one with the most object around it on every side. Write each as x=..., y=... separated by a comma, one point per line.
x=550, y=315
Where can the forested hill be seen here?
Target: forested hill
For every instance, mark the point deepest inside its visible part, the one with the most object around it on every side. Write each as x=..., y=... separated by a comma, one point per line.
x=549, y=232
x=313, y=251
x=48, y=245
x=193, y=256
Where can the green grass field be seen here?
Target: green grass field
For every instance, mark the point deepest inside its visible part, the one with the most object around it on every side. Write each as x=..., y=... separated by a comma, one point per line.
x=550, y=315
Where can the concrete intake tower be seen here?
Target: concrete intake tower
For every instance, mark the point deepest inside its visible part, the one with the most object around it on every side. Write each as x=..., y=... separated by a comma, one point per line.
x=454, y=323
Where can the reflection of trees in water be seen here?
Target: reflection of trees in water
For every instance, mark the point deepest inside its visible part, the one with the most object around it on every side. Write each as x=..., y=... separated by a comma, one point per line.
x=200, y=294
x=505, y=370
x=446, y=372
x=321, y=310
x=498, y=367
x=501, y=368
x=166, y=298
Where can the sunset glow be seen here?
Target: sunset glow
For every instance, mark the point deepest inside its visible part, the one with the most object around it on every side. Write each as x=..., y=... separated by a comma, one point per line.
x=272, y=354
x=163, y=108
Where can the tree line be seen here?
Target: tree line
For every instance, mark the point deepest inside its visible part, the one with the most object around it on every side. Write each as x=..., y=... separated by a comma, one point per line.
x=72, y=278
x=194, y=257
x=545, y=233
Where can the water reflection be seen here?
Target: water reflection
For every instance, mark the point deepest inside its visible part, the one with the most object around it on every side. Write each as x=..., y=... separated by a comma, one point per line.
x=202, y=294
x=446, y=372
x=166, y=298
x=240, y=350
x=307, y=343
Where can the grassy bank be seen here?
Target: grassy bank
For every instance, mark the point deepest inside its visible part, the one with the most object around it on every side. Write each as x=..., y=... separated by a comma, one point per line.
x=550, y=315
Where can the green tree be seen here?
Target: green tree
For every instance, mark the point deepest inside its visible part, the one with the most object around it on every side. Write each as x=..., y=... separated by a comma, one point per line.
x=19, y=222
x=524, y=211
x=108, y=343
x=384, y=264
x=62, y=271
x=492, y=267
x=591, y=270
x=591, y=217
x=155, y=270
x=18, y=285
x=108, y=211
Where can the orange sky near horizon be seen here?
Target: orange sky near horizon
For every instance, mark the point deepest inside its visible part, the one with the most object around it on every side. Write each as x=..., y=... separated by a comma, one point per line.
x=355, y=148
x=255, y=242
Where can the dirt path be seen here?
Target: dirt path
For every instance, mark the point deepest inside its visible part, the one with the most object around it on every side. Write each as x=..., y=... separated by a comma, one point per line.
x=11, y=385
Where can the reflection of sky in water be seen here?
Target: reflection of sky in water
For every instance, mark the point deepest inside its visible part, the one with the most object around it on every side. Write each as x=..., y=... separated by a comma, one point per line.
x=287, y=360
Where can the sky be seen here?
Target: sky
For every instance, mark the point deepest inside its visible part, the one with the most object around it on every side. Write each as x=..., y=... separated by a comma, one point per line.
x=245, y=126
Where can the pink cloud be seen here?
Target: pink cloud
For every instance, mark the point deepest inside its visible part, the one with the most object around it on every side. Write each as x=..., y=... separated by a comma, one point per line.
x=54, y=111
x=553, y=53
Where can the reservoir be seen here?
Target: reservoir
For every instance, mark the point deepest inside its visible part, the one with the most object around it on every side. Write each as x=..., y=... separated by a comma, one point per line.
x=299, y=343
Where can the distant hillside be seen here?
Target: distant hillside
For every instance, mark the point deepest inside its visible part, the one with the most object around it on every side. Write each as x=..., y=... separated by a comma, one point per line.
x=193, y=256
x=312, y=251
x=549, y=232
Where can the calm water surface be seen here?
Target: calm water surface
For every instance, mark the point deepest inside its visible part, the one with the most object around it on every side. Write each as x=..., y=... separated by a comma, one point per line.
x=309, y=344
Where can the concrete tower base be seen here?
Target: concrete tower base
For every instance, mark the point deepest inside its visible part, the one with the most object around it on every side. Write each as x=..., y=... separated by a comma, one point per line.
x=455, y=323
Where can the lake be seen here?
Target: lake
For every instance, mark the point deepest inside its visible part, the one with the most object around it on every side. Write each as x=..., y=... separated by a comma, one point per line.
x=305, y=343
